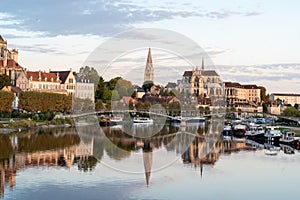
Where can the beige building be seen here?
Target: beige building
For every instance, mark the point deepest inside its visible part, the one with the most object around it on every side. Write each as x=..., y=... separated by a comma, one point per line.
x=68, y=80
x=41, y=82
x=236, y=92
x=286, y=98
x=9, y=62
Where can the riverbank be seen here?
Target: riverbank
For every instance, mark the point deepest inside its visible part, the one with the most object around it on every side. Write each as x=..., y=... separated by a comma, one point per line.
x=27, y=124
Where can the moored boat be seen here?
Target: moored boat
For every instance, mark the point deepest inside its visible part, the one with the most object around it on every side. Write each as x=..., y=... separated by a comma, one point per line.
x=143, y=120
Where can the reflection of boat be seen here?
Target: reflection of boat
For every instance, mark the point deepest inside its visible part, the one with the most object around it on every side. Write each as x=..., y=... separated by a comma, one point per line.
x=195, y=119
x=271, y=150
x=288, y=137
x=143, y=120
x=115, y=120
x=254, y=144
x=178, y=119
x=227, y=132
x=273, y=134
x=287, y=149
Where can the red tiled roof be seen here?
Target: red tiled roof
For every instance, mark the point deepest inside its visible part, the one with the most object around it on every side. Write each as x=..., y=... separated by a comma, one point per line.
x=35, y=76
x=13, y=63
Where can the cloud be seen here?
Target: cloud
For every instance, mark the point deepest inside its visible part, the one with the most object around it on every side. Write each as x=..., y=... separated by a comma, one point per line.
x=98, y=17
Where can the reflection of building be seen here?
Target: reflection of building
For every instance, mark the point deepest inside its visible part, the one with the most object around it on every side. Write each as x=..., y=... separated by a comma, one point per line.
x=64, y=157
x=149, y=70
x=202, y=83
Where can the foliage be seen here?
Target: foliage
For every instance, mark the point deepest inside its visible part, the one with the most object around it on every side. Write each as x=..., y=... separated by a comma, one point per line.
x=100, y=88
x=83, y=105
x=4, y=81
x=22, y=123
x=42, y=101
x=6, y=101
x=291, y=112
x=264, y=97
x=147, y=85
x=99, y=105
x=89, y=73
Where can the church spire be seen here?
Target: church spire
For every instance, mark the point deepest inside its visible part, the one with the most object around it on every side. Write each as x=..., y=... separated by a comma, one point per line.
x=149, y=59
x=149, y=71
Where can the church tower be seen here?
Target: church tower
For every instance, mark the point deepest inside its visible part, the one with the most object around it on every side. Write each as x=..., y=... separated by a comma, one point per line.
x=149, y=71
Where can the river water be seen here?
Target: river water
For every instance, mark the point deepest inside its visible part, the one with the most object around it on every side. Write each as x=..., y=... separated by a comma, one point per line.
x=121, y=163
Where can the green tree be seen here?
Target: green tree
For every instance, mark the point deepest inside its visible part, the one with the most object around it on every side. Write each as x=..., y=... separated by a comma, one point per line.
x=4, y=81
x=263, y=94
x=100, y=89
x=296, y=106
x=147, y=85
x=89, y=73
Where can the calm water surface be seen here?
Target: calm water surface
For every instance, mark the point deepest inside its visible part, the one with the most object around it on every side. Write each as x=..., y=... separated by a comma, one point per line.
x=58, y=164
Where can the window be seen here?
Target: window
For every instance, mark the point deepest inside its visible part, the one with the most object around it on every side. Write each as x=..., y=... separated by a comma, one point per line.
x=70, y=80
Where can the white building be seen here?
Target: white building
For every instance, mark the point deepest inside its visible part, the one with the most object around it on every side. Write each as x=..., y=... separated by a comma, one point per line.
x=84, y=89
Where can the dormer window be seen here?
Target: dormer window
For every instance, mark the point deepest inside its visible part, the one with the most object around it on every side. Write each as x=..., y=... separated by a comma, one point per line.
x=45, y=79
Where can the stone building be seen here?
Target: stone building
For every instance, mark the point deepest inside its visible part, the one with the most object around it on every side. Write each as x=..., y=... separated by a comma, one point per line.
x=237, y=93
x=201, y=83
x=9, y=62
x=68, y=80
x=286, y=98
x=40, y=81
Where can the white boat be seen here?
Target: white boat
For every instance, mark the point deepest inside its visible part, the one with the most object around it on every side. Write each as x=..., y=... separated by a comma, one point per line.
x=143, y=120
x=273, y=133
x=195, y=119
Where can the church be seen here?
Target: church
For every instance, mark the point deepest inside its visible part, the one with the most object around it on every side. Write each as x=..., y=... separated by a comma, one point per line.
x=9, y=62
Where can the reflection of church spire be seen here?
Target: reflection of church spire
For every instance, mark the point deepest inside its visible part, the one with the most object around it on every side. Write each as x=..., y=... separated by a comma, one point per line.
x=201, y=169
x=149, y=71
x=147, y=158
x=202, y=63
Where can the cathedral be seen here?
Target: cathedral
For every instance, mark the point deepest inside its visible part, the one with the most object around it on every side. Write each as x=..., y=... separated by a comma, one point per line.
x=149, y=71
x=9, y=62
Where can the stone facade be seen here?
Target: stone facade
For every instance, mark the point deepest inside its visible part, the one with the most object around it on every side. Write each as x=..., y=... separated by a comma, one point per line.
x=9, y=62
x=286, y=98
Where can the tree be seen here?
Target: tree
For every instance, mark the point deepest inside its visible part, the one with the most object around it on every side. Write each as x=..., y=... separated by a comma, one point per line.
x=296, y=106
x=89, y=73
x=100, y=89
x=6, y=101
x=147, y=85
x=263, y=96
x=4, y=81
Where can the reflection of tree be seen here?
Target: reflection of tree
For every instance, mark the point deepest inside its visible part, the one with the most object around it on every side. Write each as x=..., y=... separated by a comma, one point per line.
x=116, y=153
x=46, y=142
x=87, y=164
x=5, y=147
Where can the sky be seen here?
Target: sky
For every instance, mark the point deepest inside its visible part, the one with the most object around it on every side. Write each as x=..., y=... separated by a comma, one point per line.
x=253, y=41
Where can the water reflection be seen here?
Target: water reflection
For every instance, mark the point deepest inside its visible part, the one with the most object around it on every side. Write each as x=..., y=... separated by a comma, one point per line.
x=64, y=148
